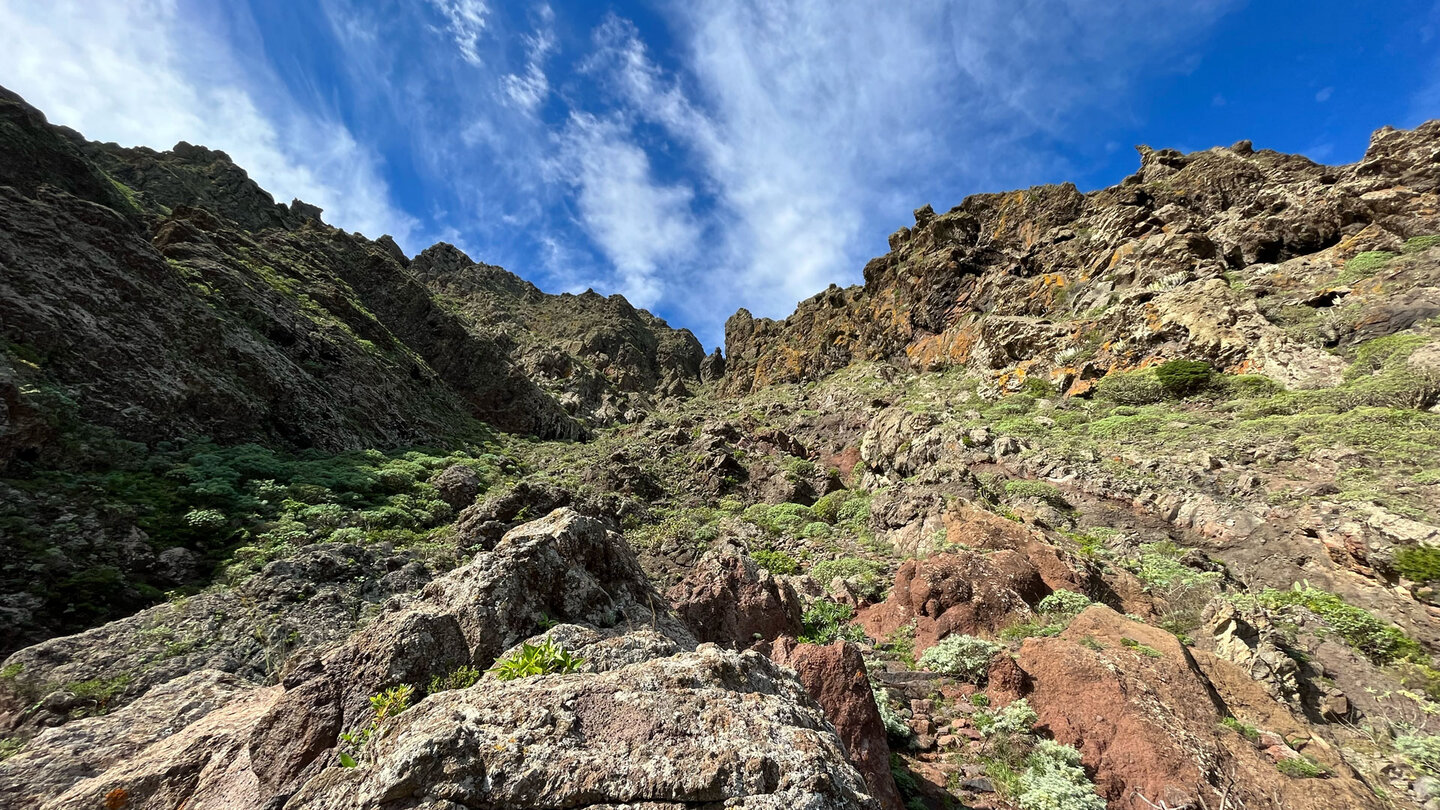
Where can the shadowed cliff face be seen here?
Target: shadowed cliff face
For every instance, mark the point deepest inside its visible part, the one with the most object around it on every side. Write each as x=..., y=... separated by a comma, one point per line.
x=176, y=298
x=1110, y=500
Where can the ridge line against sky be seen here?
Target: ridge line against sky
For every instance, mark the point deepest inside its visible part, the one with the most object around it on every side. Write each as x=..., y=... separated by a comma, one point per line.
x=700, y=157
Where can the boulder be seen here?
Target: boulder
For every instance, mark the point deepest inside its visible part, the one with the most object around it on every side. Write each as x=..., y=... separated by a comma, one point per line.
x=730, y=600
x=699, y=728
x=1145, y=712
x=457, y=485
x=835, y=676
x=959, y=592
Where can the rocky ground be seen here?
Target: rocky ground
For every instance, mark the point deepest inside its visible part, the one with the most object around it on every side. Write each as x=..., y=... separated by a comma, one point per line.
x=1128, y=499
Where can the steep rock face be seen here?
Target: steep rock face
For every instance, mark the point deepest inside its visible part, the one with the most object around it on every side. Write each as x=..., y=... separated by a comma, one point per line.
x=602, y=358
x=1068, y=287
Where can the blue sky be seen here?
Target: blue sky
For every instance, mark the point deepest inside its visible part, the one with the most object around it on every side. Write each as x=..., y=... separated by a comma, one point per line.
x=703, y=156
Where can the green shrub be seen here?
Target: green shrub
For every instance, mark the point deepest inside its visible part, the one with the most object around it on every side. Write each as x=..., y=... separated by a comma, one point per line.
x=825, y=621
x=895, y=726
x=463, y=677
x=545, y=658
x=1300, y=768
x=208, y=520
x=1064, y=603
x=1181, y=378
x=1418, y=563
x=862, y=574
x=965, y=657
x=1382, y=643
x=1015, y=719
x=777, y=562
x=1049, y=493
x=1055, y=780
x=1422, y=751
x=1131, y=388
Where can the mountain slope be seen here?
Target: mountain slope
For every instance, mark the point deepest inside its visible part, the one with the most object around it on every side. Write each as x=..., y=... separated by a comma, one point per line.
x=1124, y=499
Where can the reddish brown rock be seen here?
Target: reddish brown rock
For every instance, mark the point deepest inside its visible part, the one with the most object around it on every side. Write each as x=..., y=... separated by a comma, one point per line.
x=1005, y=680
x=728, y=599
x=1145, y=714
x=835, y=676
x=964, y=592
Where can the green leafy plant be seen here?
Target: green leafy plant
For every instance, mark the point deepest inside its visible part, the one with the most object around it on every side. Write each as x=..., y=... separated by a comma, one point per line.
x=1245, y=730
x=965, y=657
x=463, y=677
x=545, y=658
x=1419, y=563
x=825, y=621
x=776, y=562
x=386, y=704
x=1422, y=751
x=1049, y=493
x=862, y=574
x=1132, y=644
x=1017, y=718
x=1379, y=641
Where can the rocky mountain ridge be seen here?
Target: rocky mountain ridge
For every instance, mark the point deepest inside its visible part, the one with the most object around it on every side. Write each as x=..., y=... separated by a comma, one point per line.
x=1123, y=499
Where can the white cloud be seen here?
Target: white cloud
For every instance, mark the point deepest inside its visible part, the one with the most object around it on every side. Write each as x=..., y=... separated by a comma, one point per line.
x=465, y=21
x=528, y=90
x=816, y=124
x=1324, y=94
x=139, y=73
x=639, y=223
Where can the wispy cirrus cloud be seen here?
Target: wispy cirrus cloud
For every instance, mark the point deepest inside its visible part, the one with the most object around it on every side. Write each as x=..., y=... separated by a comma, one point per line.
x=465, y=23
x=145, y=73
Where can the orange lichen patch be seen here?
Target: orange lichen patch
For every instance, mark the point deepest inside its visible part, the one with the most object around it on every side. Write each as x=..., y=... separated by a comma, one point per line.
x=1245, y=366
x=1079, y=387
x=950, y=348
x=1120, y=253
x=117, y=799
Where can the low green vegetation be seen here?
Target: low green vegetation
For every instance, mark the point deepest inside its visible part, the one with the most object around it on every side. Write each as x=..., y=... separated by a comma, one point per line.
x=1301, y=767
x=1245, y=730
x=1417, y=244
x=1381, y=642
x=777, y=562
x=463, y=677
x=1418, y=563
x=866, y=577
x=964, y=657
x=1421, y=751
x=1037, y=774
x=544, y=658
x=386, y=704
x=1145, y=650
x=1181, y=378
x=236, y=507
x=1364, y=265
x=826, y=621
x=1049, y=493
